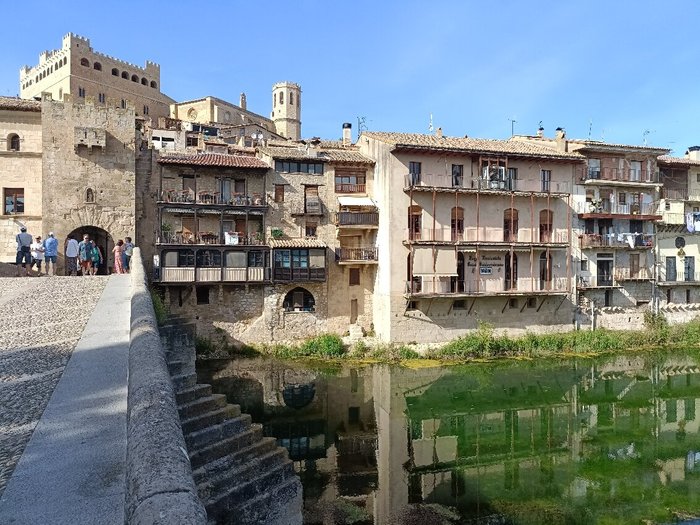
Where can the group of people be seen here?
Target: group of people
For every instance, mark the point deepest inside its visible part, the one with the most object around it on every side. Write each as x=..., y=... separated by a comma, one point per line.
x=84, y=256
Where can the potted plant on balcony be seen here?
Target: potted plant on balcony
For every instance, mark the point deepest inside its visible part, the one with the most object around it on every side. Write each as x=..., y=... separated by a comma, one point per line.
x=165, y=230
x=276, y=233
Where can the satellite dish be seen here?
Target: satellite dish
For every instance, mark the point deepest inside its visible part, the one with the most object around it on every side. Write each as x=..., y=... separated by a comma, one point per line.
x=680, y=242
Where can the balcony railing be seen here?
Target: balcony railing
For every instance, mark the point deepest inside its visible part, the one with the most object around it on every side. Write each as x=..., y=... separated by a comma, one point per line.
x=352, y=218
x=484, y=235
x=595, y=281
x=673, y=218
x=633, y=274
x=674, y=194
x=214, y=274
x=356, y=254
x=617, y=174
x=229, y=238
x=681, y=276
x=212, y=197
x=434, y=180
x=350, y=188
x=608, y=208
x=495, y=286
x=614, y=240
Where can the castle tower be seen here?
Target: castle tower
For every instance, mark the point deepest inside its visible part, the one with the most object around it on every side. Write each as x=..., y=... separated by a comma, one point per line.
x=286, y=109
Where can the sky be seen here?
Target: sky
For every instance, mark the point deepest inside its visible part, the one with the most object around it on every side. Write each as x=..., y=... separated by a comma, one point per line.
x=621, y=71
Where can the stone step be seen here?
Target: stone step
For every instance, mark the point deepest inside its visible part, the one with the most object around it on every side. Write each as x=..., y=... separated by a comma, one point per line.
x=196, y=392
x=231, y=461
x=210, y=418
x=242, y=474
x=177, y=368
x=183, y=382
x=201, y=438
x=265, y=508
x=221, y=448
x=201, y=406
x=227, y=502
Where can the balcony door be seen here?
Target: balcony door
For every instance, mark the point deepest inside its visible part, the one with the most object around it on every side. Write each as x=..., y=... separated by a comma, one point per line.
x=545, y=271
x=510, y=225
x=546, y=219
x=414, y=222
x=689, y=266
x=457, y=282
x=671, y=268
x=511, y=269
x=634, y=265
x=604, y=272
x=457, y=224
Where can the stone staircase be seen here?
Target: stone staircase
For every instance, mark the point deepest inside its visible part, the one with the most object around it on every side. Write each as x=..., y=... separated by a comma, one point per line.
x=242, y=477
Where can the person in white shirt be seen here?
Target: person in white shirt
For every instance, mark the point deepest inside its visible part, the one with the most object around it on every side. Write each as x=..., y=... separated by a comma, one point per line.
x=37, y=250
x=71, y=256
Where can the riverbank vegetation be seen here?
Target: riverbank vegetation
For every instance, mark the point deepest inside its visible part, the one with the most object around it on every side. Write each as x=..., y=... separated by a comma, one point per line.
x=483, y=344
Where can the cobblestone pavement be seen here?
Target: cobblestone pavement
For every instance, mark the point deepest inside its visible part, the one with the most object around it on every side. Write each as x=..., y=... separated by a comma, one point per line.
x=41, y=321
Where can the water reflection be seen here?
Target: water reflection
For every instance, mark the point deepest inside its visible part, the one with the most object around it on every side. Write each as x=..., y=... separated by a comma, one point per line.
x=576, y=441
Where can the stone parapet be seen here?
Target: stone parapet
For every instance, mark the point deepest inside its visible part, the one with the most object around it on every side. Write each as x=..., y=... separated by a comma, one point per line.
x=160, y=487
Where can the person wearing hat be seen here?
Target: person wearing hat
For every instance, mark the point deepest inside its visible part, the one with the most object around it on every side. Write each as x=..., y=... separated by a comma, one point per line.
x=24, y=252
x=37, y=254
x=50, y=253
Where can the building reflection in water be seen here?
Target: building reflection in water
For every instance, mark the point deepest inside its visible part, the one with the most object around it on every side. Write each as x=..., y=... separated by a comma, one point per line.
x=575, y=441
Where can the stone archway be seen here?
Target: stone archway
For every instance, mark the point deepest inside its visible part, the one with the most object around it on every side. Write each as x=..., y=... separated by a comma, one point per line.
x=103, y=239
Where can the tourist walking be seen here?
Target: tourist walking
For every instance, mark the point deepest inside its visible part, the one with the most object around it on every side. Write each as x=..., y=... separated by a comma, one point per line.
x=50, y=253
x=37, y=251
x=128, y=252
x=24, y=251
x=84, y=255
x=72, y=251
x=118, y=251
x=95, y=257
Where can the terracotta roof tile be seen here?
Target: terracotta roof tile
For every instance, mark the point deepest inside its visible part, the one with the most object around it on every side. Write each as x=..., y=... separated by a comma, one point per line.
x=19, y=104
x=677, y=161
x=214, y=159
x=470, y=145
x=316, y=154
x=300, y=242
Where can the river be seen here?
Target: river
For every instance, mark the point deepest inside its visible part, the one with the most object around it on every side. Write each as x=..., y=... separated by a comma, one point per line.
x=610, y=440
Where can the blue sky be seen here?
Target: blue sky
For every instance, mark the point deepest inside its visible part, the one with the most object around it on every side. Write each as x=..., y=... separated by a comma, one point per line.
x=621, y=71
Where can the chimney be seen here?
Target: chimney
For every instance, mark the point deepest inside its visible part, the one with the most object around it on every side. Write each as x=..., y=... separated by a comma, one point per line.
x=438, y=133
x=540, y=132
x=560, y=137
x=347, y=133
x=693, y=153
x=244, y=103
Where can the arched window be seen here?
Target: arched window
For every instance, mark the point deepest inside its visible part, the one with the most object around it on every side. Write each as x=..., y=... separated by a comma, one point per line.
x=115, y=72
x=134, y=78
x=144, y=82
x=123, y=104
x=457, y=224
x=511, y=269
x=299, y=300
x=125, y=75
x=13, y=142
x=60, y=93
x=546, y=221
x=89, y=195
x=274, y=100
x=291, y=99
x=154, y=84
x=84, y=62
x=414, y=222
x=510, y=225
x=281, y=97
x=97, y=66
x=545, y=271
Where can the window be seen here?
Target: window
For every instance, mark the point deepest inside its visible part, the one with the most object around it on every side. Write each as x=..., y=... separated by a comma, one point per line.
x=256, y=259
x=510, y=225
x=593, y=168
x=97, y=66
x=697, y=177
x=532, y=302
x=412, y=305
x=350, y=182
x=84, y=62
x=81, y=92
x=457, y=175
x=299, y=167
x=14, y=201
x=414, y=171
x=622, y=198
x=299, y=300
x=101, y=97
x=460, y=304
x=414, y=222
x=279, y=192
x=202, y=294
x=144, y=82
x=134, y=78
x=457, y=224
x=667, y=205
x=89, y=195
x=354, y=277
x=13, y=142
x=546, y=176
x=145, y=110
x=512, y=303
x=546, y=228
x=123, y=104
x=312, y=203
x=154, y=84
x=310, y=229
x=125, y=75
x=584, y=265
x=291, y=99
x=635, y=170
x=281, y=97
x=115, y=72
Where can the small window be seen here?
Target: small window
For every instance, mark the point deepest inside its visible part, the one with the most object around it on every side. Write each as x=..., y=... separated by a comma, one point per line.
x=123, y=104
x=125, y=75
x=14, y=201
x=202, y=294
x=512, y=303
x=145, y=110
x=13, y=142
x=667, y=205
x=89, y=195
x=697, y=177
x=101, y=97
x=412, y=305
x=310, y=229
x=97, y=66
x=84, y=62
x=81, y=92
x=584, y=265
x=281, y=97
x=532, y=302
x=291, y=99
x=115, y=72
x=459, y=305
x=687, y=297
x=144, y=82
x=153, y=84
x=134, y=78
x=279, y=192
x=354, y=277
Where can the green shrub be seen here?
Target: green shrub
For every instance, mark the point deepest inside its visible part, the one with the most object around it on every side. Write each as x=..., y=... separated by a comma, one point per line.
x=327, y=345
x=158, y=307
x=203, y=346
x=404, y=352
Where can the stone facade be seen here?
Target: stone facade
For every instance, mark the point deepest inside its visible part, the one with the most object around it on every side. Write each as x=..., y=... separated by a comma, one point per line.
x=79, y=70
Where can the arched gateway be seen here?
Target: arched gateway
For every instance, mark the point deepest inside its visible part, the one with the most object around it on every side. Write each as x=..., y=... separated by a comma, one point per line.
x=102, y=239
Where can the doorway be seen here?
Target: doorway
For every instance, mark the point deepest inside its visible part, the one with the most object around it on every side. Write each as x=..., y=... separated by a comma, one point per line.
x=104, y=242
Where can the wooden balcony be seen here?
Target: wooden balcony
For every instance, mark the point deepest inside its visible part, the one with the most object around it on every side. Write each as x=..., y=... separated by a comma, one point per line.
x=350, y=188
x=212, y=275
x=430, y=181
x=367, y=255
x=629, y=241
x=496, y=237
x=354, y=219
x=211, y=198
x=299, y=274
x=606, y=209
x=455, y=287
x=209, y=238
x=633, y=274
x=589, y=175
